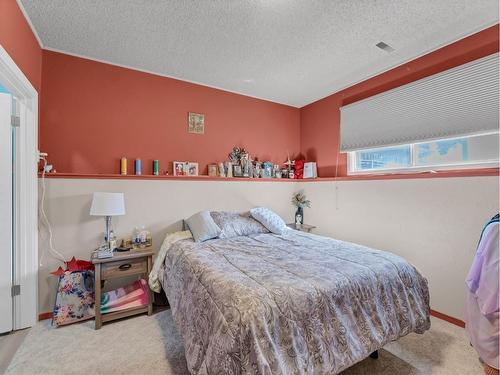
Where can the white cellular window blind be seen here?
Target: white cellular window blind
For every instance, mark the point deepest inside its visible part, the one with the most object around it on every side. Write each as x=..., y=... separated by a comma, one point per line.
x=457, y=102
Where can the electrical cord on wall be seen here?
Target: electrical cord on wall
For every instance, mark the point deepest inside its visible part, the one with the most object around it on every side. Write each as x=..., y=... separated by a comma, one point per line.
x=56, y=254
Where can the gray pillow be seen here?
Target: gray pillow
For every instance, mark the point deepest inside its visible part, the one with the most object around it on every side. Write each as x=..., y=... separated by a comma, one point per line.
x=203, y=227
x=235, y=224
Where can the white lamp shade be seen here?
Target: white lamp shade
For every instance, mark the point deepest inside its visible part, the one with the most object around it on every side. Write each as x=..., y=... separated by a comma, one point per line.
x=107, y=204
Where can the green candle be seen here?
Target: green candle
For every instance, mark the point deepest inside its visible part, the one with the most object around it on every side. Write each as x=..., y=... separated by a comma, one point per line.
x=156, y=167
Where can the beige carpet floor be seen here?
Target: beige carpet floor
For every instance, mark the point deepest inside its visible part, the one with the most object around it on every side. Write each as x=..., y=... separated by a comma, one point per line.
x=9, y=343
x=152, y=345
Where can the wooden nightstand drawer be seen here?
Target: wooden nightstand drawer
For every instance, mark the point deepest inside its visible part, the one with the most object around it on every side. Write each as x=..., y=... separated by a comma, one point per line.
x=138, y=262
x=126, y=267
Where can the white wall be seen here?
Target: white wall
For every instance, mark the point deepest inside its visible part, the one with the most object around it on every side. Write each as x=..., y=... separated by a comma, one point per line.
x=433, y=223
x=159, y=205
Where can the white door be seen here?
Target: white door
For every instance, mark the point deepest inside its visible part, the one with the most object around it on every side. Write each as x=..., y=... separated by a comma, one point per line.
x=5, y=212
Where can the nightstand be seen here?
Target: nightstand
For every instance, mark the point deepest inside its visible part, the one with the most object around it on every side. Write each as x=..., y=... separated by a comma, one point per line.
x=122, y=264
x=302, y=227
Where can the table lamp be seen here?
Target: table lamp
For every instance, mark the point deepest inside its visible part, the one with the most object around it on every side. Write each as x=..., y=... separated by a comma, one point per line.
x=107, y=205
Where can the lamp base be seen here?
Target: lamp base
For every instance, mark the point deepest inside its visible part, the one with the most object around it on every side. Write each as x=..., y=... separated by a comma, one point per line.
x=108, y=228
x=101, y=254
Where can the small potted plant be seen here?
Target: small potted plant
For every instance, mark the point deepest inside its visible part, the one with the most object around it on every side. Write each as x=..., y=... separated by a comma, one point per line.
x=300, y=201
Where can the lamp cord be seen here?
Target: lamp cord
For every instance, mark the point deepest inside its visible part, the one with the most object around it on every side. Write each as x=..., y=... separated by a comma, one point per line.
x=52, y=250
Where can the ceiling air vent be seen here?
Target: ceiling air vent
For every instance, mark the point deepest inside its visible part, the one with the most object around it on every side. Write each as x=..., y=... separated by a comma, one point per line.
x=384, y=46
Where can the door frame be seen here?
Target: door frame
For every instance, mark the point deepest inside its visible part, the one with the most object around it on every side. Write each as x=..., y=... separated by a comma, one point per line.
x=25, y=220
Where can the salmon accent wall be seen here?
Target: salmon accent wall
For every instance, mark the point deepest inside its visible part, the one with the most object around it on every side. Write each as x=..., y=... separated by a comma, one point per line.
x=94, y=113
x=320, y=121
x=18, y=40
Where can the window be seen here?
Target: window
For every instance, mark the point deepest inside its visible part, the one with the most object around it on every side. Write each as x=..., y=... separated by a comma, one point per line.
x=454, y=153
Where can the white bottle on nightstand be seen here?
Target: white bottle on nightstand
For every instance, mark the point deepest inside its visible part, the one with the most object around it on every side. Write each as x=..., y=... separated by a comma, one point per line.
x=112, y=241
x=137, y=237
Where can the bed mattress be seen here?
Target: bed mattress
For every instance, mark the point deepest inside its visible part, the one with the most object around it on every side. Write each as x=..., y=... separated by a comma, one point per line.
x=295, y=303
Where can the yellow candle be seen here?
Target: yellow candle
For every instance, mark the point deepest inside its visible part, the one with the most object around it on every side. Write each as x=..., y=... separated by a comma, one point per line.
x=123, y=166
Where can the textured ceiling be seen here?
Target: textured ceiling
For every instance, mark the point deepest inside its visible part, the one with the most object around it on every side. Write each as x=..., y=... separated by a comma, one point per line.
x=287, y=51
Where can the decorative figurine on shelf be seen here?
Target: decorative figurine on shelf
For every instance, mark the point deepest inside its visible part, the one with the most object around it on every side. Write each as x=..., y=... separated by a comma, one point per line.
x=229, y=169
x=290, y=167
x=256, y=170
x=250, y=169
x=300, y=201
x=235, y=157
x=236, y=154
x=246, y=165
x=240, y=163
x=276, y=171
x=299, y=169
x=222, y=170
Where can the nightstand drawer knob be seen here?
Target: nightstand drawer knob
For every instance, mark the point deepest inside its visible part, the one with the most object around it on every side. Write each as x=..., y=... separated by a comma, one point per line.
x=125, y=266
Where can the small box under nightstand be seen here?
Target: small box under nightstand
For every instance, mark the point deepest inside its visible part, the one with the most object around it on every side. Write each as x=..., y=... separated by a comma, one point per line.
x=122, y=264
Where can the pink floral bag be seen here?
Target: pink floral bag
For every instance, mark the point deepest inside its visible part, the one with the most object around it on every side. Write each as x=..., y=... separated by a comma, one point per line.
x=75, y=297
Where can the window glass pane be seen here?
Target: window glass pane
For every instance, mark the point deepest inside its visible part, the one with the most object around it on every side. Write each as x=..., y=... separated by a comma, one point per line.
x=457, y=151
x=446, y=153
x=383, y=158
x=442, y=152
x=484, y=148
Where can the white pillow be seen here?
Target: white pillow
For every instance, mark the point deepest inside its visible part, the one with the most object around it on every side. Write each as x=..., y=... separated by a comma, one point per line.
x=269, y=219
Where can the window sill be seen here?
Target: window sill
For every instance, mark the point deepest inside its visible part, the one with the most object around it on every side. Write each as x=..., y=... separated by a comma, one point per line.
x=424, y=174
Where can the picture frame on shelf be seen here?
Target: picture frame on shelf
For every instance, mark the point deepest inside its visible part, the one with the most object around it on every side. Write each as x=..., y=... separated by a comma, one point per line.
x=212, y=170
x=180, y=168
x=267, y=170
x=237, y=171
x=192, y=169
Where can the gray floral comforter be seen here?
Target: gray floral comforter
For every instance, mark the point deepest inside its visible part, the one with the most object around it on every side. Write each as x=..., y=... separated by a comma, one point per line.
x=291, y=304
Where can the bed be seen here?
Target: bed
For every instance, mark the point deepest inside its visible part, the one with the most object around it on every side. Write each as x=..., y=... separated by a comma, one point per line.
x=294, y=303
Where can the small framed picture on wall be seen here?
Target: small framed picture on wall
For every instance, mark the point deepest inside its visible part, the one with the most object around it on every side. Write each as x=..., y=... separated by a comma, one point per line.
x=196, y=123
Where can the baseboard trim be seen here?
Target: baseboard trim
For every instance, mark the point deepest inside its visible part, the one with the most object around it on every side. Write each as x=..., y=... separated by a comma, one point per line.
x=45, y=316
x=434, y=313
x=448, y=318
